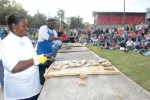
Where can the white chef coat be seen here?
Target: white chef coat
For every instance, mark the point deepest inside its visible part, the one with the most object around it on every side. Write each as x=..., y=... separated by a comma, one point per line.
x=23, y=84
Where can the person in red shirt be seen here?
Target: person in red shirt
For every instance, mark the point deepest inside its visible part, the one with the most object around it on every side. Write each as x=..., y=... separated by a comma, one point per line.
x=100, y=39
x=61, y=32
x=132, y=35
x=120, y=32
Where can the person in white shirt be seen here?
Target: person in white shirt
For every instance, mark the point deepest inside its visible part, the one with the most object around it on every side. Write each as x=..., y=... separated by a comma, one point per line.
x=47, y=35
x=129, y=45
x=20, y=60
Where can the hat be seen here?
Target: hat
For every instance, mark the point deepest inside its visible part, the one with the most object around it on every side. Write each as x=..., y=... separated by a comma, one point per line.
x=51, y=19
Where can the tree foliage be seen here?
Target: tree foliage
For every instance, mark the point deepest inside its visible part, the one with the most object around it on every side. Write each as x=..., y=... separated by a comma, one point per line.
x=148, y=10
x=39, y=19
x=61, y=13
x=88, y=25
x=75, y=22
x=7, y=7
x=61, y=16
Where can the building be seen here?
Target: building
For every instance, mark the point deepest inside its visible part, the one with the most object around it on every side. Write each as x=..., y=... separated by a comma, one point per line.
x=117, y=18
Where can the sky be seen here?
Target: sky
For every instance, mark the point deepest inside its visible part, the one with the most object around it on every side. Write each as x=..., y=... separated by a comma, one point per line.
x=82, y=8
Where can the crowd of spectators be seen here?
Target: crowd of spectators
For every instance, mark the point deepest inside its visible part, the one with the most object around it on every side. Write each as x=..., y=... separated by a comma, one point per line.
x=126, y=38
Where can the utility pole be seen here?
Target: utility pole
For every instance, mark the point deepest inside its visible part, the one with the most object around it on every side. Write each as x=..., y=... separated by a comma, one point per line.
x=78, y=22
x=124, y=13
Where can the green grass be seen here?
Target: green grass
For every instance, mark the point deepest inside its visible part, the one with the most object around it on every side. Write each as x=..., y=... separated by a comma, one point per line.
x=132, y=64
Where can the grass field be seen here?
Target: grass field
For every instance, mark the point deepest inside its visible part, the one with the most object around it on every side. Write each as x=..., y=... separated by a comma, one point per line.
x=132, y=64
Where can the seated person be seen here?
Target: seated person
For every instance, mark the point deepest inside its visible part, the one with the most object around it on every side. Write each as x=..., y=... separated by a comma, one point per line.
x=136, y=44
x=61, y=34
x=95, y=41
x=105, y=45
x=112, y=45
x=144, y=50
x=122, y=44
x=129, y=44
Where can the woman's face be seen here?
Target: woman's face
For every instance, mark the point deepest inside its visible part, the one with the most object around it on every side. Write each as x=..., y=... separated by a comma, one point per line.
x=21, y=28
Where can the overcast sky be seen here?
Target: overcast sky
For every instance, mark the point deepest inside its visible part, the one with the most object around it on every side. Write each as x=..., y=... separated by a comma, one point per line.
x=82, y=8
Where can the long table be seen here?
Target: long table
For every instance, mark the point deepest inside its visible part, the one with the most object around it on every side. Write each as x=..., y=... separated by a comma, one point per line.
x=94, y=87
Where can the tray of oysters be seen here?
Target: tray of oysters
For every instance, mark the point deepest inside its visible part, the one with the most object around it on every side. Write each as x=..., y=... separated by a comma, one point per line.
x=75, y=67
x=69, y=45
x=57, y=65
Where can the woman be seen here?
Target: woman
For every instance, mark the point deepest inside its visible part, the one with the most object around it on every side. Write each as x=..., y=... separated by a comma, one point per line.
x=21, y=79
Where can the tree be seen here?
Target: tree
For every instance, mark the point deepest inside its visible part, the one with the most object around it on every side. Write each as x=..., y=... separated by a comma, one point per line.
x=148, y=15
x=3, y=3
x=75, y=22
x=88, y=25
x=7, y=7
x=37, y=20
x=148, y=10
x=61, y=15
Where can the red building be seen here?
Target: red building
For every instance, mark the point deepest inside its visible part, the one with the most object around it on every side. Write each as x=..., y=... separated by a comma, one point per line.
x=117, y=18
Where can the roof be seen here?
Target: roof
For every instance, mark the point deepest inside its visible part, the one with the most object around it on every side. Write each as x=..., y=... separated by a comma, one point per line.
x=94, y=13
x=116, y=12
